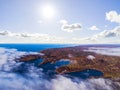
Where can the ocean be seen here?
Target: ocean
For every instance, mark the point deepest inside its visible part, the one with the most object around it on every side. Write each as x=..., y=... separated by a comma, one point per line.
x=28, y=76
x=33, y=47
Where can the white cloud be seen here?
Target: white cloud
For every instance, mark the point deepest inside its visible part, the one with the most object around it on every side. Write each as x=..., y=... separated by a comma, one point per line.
x=30, y=38
x=105, y=34
x=110, y=33
x=10, y=37
x=8, y=57
x=94, y=28
x=69, y=27
x=112, y=51
x=63, y=83
x=8, y=33
x=113, y=16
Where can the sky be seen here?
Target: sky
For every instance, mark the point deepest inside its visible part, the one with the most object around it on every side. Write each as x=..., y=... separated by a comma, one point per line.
x=60, y=21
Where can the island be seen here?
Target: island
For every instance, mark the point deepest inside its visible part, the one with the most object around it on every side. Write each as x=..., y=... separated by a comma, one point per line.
x=81, y=58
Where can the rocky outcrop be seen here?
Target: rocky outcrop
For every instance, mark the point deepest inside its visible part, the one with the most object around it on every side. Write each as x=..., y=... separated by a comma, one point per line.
x=26, y=58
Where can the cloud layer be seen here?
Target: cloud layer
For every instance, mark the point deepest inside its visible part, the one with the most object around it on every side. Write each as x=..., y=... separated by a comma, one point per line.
x=33, y=78
x=35, y=37
x=8, y=33
x=113, y=51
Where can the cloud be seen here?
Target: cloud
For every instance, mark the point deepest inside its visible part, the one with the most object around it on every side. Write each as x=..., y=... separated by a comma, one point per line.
x=112, y=51
x=10, y=37
x=7, y=55
x=110, y=33
x=69, y=27
x=34, y=37
x=94, y=28
x=105, y=34
x=8, y=33
x=113, y=16
x=90, y=84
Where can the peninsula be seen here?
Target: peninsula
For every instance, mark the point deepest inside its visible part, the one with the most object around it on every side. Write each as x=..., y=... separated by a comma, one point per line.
x=81, y=58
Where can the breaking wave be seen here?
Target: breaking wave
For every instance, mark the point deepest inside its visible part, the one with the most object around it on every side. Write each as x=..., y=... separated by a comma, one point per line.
x=16, y=75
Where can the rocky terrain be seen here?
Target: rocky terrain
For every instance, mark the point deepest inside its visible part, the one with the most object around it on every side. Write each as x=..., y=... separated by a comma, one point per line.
x=80, y=59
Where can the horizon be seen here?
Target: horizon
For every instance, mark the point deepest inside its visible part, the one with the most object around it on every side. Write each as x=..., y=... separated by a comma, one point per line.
x=55, y=44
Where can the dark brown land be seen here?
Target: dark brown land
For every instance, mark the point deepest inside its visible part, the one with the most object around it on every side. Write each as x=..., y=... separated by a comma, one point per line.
x=109, y=65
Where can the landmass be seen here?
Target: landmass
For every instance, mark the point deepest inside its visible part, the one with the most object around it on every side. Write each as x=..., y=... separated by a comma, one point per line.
x=80, y=59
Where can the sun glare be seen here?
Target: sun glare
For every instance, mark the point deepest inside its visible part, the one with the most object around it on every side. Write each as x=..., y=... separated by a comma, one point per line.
x=48, y=11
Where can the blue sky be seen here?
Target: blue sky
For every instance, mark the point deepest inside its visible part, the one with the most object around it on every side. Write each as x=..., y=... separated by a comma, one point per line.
x=73, y=21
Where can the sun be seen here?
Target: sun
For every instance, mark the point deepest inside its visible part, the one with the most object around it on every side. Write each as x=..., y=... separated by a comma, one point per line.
x=48, y=11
